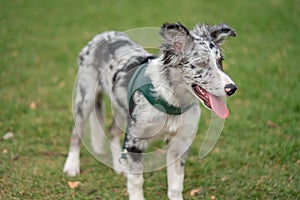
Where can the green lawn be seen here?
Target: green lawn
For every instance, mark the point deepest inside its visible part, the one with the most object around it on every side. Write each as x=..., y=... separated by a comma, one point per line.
x=258, y=154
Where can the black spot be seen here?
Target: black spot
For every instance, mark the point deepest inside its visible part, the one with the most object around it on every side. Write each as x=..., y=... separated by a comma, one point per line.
x=226, y=30
x=135, y=153
x=182, y=163
x=82, y=92
x=135, y=140
x=134, y=149
x=199, y=71
x=176, y=26
x=99, y=104
x=183, y=158
x=201, y=42
x=211, y=45
x=129, y=69
x=132, y=105
x=184, y=61
x=79, y=110
x=114, y=79
x=81, y=59
x=101, y=54
x=167, y=57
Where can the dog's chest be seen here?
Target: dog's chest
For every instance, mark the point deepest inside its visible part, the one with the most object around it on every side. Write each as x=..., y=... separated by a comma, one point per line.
x=172, y=124
x=165, y=126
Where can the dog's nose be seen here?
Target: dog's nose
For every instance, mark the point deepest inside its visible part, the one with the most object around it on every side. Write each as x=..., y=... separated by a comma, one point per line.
x=230, y=89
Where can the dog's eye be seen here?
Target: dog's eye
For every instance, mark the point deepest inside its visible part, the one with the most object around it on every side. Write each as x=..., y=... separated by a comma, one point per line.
x=202, y=64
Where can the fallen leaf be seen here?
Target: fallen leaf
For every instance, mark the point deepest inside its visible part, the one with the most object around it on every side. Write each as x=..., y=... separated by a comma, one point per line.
x=217, y=150
x=5, y=151
x=74, y=184
x=271, y=124
x=195, y=191
x=32, y=105
x=61, y=84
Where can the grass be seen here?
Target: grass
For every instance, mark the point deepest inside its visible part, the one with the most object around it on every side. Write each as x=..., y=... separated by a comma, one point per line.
x=257, y=156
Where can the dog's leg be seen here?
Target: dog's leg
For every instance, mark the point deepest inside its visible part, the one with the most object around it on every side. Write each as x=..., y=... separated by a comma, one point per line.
x=84, y=102
x=176, y=156
x=97, y=126
x=115, y=147
x=72, y=164
x=135, y=179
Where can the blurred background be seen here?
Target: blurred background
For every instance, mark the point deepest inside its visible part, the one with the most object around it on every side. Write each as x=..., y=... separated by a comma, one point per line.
x=258, y=153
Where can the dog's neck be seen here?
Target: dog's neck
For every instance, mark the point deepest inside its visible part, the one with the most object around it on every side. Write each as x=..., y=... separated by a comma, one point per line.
x=169, y=84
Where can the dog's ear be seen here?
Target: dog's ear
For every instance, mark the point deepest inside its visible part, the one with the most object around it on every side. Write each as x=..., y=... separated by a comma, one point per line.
x=220, y=32
x=175, y=36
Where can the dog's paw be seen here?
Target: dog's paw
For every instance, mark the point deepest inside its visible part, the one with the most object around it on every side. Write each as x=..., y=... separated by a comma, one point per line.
x=72, y=165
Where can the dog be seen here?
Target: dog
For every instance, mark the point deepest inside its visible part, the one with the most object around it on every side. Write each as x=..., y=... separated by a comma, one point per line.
x=188, y=70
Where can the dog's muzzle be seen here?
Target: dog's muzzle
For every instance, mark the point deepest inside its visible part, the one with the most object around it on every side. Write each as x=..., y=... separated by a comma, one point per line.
x=230, y=89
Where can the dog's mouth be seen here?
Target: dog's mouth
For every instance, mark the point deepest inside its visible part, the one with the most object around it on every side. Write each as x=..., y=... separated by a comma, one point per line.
x=211, y=102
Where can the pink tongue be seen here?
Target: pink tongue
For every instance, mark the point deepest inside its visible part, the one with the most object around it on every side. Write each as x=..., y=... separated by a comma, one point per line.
x=218, y=106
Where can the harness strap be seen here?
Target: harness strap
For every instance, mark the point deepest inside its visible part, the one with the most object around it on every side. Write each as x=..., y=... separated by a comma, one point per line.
x=140, y=82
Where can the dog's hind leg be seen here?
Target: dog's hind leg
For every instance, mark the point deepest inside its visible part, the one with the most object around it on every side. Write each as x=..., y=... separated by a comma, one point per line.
x=84, y=102
x=97, y=125
x=117, y=128
x=115, y=147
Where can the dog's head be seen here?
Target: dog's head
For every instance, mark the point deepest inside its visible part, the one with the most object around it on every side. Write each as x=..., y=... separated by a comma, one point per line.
x=198, y=57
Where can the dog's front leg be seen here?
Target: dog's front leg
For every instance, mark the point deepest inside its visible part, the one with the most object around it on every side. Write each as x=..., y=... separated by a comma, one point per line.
x=176, y=157
x=135, y=178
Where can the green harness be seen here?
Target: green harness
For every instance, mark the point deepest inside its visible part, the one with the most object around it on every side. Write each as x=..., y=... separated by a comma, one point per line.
x=141, y=83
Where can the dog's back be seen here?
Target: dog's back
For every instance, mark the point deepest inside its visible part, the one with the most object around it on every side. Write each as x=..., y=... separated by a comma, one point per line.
x=110, y=59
